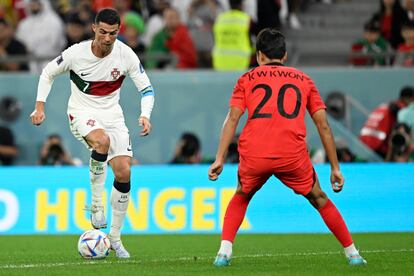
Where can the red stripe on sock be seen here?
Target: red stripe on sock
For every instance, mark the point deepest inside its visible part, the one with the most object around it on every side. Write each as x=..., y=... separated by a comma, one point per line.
x=335, y=223
x=234, y=216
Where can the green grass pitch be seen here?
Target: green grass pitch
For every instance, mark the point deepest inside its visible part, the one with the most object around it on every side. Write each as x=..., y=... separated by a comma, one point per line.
x=266, y=254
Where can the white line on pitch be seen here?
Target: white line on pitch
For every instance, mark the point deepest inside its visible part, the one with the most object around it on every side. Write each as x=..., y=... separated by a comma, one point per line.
x=103, y=262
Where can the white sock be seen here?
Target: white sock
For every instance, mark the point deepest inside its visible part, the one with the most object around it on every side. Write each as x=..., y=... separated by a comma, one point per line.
x=226, y=248
x=119, y=203
x=97, y=174
x=350, y=250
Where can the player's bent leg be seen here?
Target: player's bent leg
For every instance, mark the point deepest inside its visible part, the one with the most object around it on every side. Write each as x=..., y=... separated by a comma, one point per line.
x=98, y=219
x=97, y=173
x=334, y=221
x=99, y=141
x=316, y=196
x=121, y=166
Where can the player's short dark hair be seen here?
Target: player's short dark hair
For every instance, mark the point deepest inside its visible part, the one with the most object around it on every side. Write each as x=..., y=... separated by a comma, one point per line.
x=108, y=16
x=235, y=4
x=272, y=43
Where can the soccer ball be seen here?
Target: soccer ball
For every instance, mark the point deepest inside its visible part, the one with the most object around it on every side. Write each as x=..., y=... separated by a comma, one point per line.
x=94, y=244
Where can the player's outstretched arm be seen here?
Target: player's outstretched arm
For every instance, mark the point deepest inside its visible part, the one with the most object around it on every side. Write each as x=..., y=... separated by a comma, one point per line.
x=321, y=122
x=38, y=115
x=227, y=133
x=144, y=122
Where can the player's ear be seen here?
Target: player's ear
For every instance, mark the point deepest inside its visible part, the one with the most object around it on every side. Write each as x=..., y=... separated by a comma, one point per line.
x=94, y=28
x=285, y=57
x=260, y=57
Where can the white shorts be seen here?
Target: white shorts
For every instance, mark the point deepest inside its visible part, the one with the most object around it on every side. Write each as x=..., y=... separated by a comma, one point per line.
x=120, y=143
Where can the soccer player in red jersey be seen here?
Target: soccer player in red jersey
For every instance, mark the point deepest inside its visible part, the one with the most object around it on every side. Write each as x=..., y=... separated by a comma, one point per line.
x=273, y=142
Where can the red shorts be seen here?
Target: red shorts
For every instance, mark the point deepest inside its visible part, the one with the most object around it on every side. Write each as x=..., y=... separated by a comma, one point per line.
x=296, y=173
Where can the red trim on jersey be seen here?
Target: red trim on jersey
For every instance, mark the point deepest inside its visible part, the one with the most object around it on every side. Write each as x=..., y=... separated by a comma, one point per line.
x=103, y=88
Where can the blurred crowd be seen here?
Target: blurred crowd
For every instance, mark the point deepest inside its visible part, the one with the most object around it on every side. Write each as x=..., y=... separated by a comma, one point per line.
x=181, y=34
x=389, y=128
x=187, y=34
x=388, y=36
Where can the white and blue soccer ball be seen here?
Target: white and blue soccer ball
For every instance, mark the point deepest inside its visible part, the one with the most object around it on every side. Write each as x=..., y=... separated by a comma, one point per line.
x=94, y=244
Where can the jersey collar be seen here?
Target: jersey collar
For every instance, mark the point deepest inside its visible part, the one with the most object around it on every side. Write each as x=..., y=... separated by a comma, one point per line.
x=274, y=63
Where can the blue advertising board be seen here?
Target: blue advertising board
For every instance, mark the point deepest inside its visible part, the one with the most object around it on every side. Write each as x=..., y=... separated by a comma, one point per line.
x=180, y=199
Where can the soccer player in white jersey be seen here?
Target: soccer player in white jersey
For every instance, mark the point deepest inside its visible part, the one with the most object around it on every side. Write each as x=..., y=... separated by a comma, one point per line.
x=97, y=68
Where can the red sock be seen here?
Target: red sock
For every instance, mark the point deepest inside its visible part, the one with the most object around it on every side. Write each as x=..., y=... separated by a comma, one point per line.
x=234, y=217
x=335, y=223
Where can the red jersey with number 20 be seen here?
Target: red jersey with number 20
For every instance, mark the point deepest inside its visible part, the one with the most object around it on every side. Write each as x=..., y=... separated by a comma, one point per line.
x=276, y=98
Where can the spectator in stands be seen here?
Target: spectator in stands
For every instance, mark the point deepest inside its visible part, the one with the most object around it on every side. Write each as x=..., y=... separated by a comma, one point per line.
x=182, y=7
x=155, y=23
x=343, y=151
x=53, y=152
x=42, y=31
x=406, y=114
x=133, y=28
x=268, y=14
x=293, y=10
x=87, y=15
x=201, y=17
x=10, y=47
x=62, y=7
x=373, y=45
x=400, y=144
x=8, y=148
x=409, y=7
x=377, y=129
x=345, y=155
x=391, y=16
x=122, y=6
x=187, y=150
x=75, y=29
x=9, y=12
x=224, y=4
x=250, y=7
x=175, y=39
x=100, y=4
x=232, y=48
x=405, y=53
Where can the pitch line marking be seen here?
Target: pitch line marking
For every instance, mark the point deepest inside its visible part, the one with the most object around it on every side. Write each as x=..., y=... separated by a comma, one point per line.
x=104, y=262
